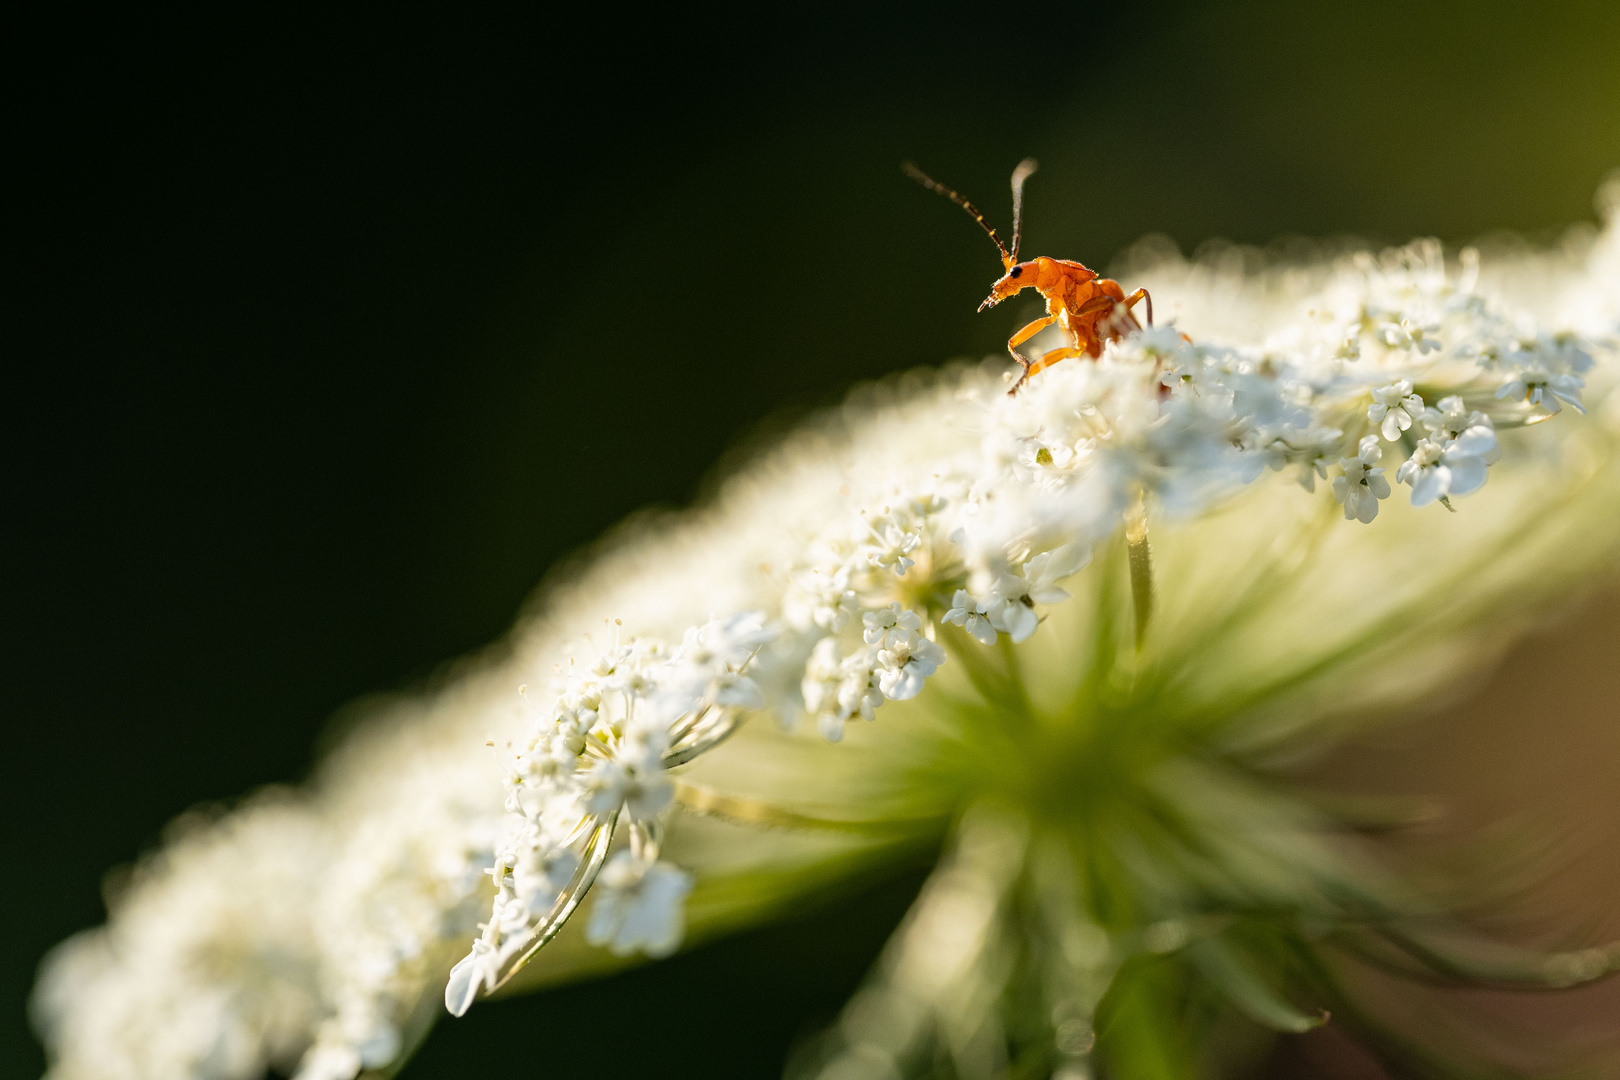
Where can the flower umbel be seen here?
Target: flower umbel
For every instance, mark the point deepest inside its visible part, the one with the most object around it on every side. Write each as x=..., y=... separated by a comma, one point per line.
x=972, y=570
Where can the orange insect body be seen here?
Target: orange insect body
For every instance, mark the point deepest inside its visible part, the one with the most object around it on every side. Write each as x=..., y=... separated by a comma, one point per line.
x=1090, y=310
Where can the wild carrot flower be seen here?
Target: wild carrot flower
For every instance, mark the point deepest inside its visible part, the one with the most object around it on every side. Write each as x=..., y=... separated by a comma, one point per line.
x=1130, y=620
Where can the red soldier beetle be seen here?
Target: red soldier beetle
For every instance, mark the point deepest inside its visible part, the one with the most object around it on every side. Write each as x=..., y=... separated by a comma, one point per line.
x=1089, y=309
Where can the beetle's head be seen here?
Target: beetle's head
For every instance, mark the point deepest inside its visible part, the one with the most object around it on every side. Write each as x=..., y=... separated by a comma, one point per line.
x=1019, y=276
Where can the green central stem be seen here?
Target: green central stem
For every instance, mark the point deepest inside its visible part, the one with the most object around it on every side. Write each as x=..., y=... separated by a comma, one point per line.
x=1141, y=559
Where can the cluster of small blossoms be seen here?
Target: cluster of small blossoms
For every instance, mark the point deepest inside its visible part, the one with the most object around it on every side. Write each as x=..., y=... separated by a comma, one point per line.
x=141, y=999
x=1443, y=366
x=841, y=590
x=981, y=538
x=597, y=757
x=406, y=876
x=1163, y=421
x=891, y=664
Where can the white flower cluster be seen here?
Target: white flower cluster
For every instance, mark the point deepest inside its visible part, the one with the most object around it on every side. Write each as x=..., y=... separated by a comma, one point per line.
x=238, y=897
x=1444, y=368
x=855, y=564
x=409, y=870
x=598, y=755
x=982, y=538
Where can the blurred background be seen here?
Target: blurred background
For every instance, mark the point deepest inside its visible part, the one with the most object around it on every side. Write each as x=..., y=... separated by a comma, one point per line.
x=327, y=335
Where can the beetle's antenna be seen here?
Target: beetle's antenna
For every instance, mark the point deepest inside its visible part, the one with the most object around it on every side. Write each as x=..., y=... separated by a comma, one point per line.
x=934, y=185
x=1025, y=170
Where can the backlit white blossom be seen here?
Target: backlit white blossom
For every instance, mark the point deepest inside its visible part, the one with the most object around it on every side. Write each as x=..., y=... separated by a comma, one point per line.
x=1536, y=386
x=839, y=687
x=1440, y=468
x=882, y=624
x=1045, y=570
x=1362, y=486
x=1394, y=408
x=906, y=659
x=638, y=907
x=968, y=612
x=634, y=781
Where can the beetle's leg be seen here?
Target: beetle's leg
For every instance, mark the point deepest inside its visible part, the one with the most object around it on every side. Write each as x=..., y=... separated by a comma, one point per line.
x=1140, y=294
x=1090, y=329
x=1108, y=303
x=1053, y=357
x=1018, y=339
x=1026, y=333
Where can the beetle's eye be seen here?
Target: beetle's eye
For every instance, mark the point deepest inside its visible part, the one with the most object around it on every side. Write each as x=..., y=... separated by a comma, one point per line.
x=1016, y=271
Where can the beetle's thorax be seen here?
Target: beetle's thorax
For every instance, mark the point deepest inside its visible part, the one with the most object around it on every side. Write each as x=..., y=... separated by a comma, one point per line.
x=1052, y=278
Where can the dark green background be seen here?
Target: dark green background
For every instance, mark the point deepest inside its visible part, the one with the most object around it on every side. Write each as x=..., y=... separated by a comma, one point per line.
x=326, y=338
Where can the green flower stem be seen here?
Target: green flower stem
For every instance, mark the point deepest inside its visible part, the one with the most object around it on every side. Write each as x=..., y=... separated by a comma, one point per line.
x=1141, y=558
